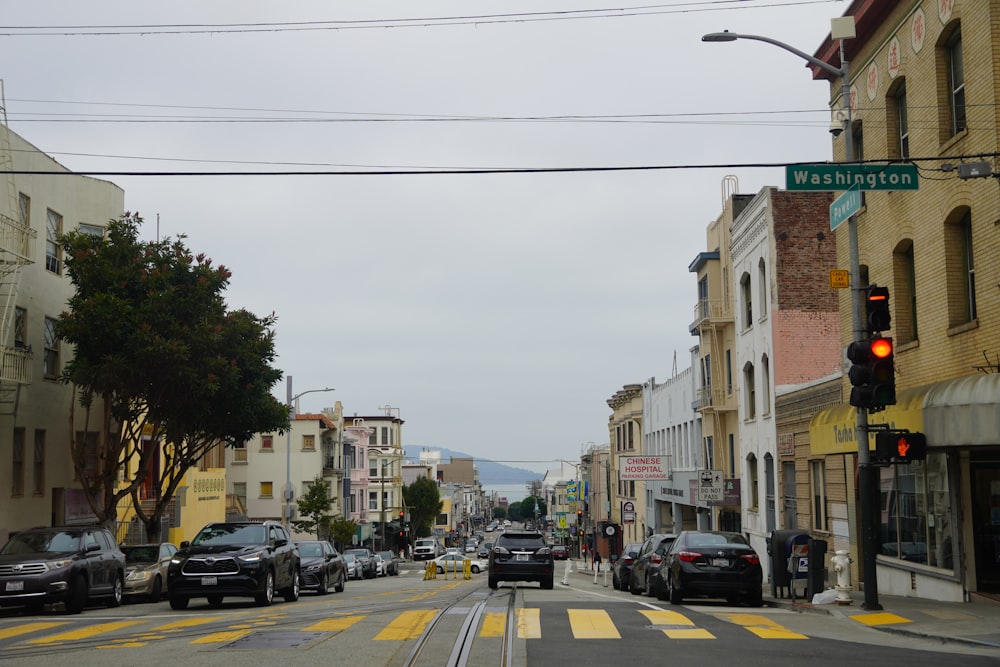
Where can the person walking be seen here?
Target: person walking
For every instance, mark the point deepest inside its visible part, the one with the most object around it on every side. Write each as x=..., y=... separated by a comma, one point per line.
x=597, y=560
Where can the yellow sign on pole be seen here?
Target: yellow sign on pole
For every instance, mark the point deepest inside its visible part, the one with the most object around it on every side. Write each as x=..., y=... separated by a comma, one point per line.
x=840, y=278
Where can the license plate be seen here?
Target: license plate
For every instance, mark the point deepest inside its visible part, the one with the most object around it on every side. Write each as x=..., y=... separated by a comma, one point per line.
x=720, y=562
x=15, y=586
x=209, y=581
x=522, y=557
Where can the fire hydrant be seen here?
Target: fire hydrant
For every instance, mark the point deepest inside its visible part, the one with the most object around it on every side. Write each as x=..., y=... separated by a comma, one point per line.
x=841, y=561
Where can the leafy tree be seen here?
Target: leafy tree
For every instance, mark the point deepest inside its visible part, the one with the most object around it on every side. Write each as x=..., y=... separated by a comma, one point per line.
x=343, y=531
x=514, y=511
x=315, y=506
x=499, y=513
x=530, y=505
x=160, y=367
x=423, y=500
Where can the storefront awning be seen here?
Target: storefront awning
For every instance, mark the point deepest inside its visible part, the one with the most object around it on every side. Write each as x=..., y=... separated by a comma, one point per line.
x=831, y=431
x=965, y=411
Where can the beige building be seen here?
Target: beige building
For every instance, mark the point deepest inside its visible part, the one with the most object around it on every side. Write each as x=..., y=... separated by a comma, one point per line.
x=924, y=85
x=628, y=497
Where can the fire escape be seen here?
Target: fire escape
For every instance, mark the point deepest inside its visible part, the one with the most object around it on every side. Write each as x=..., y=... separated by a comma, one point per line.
x=17, y=243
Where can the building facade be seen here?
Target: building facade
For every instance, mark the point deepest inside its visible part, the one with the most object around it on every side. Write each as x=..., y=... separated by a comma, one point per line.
x=628, y=497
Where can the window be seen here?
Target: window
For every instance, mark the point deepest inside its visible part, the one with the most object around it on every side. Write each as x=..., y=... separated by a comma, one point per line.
x=956, y=83
x=732, y=454
x=899, y=128
x=267, y=443
x=91, y=230
x=729, y=372
x=87, y=443
x=372, y=500
x=817, y=482
x=240, y=453
x=749, y=392
x=385, y=435
x=20, y=328
x=24, y=208
x=17, y=467
x=372, y=468
x=709, y=453
x=240, y=491
x=916, y=512
x=752, y=475
x=51, y=361
x=38, y=466
x=762, y=288
x=746, y=298
x=960, y=269
x=765, y=379
x=904, y=323
x=267, y=489
x=53, y=253
x=703, y=307
x=309, y=443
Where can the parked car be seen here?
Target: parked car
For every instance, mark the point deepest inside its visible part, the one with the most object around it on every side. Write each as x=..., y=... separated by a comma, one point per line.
x=427, y=548
x=241, y=558
x=146, y=569
x=369, y=567
x=353, y=565
x=560, y=552
x=521, y=556
x=322, y=567
x=69, y=564
x=483, y=551
x=621, y=569
x=471, y=546
x=712, y=564
x=645, y=575
x=456, y=563
x=381, y=569
x=392, y=562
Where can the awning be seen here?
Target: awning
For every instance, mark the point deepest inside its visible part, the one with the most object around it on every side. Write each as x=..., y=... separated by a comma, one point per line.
x=831, y=431
x=965, y=411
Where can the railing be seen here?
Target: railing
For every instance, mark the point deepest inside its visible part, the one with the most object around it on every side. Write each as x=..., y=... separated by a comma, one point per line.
x=713, y=310
x=17, y=240
x=709, y=397
x=15, y=364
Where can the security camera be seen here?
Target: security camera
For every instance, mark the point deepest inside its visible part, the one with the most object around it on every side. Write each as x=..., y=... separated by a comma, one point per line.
x=837, y=120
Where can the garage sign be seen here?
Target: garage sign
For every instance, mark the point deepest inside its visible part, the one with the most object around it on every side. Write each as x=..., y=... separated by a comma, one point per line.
x=643, y=468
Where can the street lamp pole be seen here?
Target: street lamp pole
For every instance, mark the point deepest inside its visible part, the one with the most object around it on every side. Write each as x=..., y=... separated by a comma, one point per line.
x=866, y=473
x=287, y=514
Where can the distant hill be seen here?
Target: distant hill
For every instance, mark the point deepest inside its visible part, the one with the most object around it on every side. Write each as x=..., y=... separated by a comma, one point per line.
x=490, y=472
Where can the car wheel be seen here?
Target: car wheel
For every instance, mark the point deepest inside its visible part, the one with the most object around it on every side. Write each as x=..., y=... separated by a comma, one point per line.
x=178, y=602
x=475, y=569
x=440, y=569
x=266, y=597
x=493, y=582
x=324, y=586
x=649, y=586
x=341, y=580
x=291, y=594
x=615, y=584
x=78, y=595
x=214, y=600
x=157, y=592
x=117, y=592
x=660, y=589
x=632, y=587
x=673, y=593
x=547, y=583
x=755, y=599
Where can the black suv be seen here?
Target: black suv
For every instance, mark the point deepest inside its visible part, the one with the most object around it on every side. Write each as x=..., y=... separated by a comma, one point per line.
x=243, y=559
x=68, y=564
x=521, y=555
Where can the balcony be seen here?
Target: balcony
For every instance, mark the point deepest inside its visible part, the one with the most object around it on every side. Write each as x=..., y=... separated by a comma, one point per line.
x=710, y=312
x=17, y=242
x=712, y=399
x=15, y=364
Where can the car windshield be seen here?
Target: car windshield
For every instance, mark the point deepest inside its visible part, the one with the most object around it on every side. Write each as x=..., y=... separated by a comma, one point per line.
x=715, y=540
x=360, y=553
x=231, y=534
x=37, y=543
x=311, y=550
x=141, y=554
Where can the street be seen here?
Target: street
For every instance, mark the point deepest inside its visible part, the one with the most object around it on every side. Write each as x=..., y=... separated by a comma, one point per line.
x=407, y=620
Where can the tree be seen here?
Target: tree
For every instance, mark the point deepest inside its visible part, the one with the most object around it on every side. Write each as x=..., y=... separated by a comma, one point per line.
x=499, y=513
x=514, y=511
x=315, y=506
x=531, y=506
x=343, y=531
x=160, y=367
x=423, y=500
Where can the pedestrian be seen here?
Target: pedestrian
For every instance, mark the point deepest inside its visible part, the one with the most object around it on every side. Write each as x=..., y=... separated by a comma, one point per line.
x=597, y=560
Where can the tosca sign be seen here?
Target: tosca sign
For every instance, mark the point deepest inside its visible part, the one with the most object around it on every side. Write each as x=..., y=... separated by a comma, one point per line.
x=833, y=177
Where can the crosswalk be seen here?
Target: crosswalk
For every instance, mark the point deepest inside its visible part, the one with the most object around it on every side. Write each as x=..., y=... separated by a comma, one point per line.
x=531, y=624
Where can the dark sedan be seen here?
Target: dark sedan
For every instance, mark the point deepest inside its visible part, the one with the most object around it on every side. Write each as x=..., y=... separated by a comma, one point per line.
x=369, y=568
x=391, y=561
x=645, y=577
x=712, y=564
x=621, y=571
x=321, y=568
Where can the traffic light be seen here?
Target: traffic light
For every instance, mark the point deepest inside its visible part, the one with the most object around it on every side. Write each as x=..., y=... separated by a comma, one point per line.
x=873, y=375
x=579, y=514
x=877, y=302
x=900, y=446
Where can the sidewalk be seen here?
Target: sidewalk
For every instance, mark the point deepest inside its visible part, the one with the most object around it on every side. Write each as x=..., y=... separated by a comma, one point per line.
x=974, y=623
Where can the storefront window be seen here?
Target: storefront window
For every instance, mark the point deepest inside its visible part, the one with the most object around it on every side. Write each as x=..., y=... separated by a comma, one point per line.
x=916, y=512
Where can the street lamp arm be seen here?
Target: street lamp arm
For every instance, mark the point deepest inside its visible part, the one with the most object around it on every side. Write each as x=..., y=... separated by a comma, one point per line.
x=308, y=391
x=727, y=36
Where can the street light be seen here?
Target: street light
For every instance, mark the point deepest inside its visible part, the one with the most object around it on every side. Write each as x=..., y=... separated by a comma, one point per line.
x=288, y=451
x=843, y=28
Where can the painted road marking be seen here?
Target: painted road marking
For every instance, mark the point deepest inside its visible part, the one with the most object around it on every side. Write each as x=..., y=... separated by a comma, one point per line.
x=763, y=627
x=529, y=625
x=592, y=624
x=678, y=625
x=84, y=633
x=334, y=624
x=884, y=618
x=494, y=623
x=7, y=633
x=408, y=625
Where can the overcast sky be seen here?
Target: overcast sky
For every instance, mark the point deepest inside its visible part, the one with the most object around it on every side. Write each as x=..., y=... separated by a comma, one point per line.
x=497, y=312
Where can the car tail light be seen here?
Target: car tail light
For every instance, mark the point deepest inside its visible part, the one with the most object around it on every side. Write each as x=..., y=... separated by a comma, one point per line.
x=501, y=551
x=656, y=559
x=544, y=551
x=753, y=559
x=688, y=556
x=629, y=561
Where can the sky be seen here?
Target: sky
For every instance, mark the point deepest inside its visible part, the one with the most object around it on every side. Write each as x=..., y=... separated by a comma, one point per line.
x=495, y=313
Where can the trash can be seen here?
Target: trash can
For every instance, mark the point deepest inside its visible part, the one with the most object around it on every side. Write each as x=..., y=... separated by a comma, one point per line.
x=782, y=545
x=817, y=568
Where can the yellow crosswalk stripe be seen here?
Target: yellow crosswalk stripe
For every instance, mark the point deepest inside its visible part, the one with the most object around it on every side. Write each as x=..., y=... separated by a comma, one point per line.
x=493, y=624
x=683, y=626
x=186, y=623
x=338, y=624
x=408, y=625
x=27, y=628
x=529, y=625
x=220, y=637
x=592, y=624
x=84, y=633
x=879, y=619
x=762, y=626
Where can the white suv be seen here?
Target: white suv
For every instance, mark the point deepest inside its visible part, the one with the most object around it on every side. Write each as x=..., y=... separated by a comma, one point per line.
x=426, y=549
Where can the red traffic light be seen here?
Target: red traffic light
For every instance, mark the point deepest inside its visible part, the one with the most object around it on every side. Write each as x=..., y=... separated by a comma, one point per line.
x=881, y=347
x=900, y=446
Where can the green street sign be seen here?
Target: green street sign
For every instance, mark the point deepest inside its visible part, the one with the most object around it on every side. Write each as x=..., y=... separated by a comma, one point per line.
x=833, y=177
x=844, y=206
